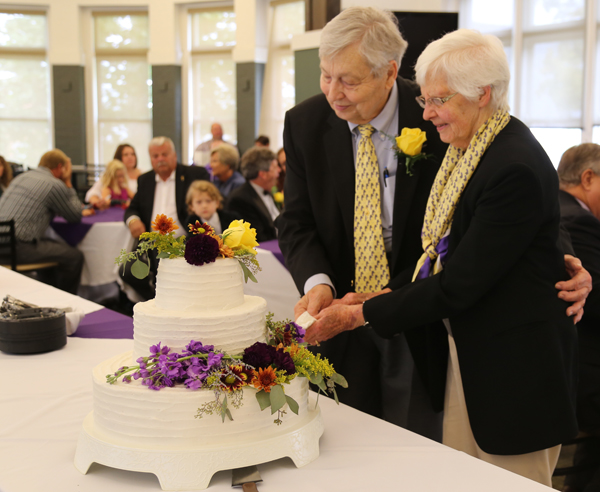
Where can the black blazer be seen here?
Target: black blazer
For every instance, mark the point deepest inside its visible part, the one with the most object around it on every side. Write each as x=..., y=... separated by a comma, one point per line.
x=142, y=203
x=584, y=229
x=245, y=203
x=316, y=227
x=515, y=344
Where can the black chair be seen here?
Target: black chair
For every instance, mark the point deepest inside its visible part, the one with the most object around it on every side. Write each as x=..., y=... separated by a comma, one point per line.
x=8, y=251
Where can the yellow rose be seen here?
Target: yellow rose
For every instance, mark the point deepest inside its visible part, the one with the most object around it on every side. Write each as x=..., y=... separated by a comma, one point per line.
x=411, y=141
x=278, y=197
x=239, y=235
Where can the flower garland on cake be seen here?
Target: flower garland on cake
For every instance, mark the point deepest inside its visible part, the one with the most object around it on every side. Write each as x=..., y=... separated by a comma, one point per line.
x=204, y=246
x=266, y=367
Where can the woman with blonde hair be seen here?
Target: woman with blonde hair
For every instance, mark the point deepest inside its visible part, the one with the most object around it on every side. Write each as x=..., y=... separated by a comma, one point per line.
x=114, y=184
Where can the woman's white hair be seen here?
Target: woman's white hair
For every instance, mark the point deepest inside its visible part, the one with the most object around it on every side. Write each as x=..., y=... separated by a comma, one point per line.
x=467, y=61
x=375, y=31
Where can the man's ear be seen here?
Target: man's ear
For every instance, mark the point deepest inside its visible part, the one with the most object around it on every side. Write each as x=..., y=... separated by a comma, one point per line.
x=586, y=179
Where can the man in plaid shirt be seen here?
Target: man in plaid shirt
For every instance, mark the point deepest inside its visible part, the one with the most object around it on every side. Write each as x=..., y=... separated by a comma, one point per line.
x=32, y=200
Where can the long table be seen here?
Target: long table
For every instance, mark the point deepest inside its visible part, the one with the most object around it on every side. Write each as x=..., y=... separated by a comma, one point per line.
x=45, y=397
x=44, y=402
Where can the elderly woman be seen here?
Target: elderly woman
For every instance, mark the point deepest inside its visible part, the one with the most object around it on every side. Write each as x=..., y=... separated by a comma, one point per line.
x=487, y=331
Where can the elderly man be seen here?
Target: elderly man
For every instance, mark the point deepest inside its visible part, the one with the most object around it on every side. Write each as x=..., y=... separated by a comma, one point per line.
x=340, y=162
x=202, y=153
x=223, y=161
x=579, y=196
x=253, y=201
x=160, y=191
x=32, y=200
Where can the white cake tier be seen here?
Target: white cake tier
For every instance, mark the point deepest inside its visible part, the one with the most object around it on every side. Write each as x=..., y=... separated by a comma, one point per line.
x=183, y=287
x=231, y=331
x=136, y=416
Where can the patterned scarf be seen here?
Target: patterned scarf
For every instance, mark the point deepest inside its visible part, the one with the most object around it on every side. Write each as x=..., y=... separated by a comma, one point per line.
x=457, y=168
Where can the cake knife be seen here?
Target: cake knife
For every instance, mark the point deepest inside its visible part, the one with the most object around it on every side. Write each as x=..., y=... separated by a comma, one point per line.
x=246, y=478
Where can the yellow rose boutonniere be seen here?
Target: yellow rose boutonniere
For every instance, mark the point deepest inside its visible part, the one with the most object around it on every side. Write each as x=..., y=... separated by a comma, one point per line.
x=409, y=145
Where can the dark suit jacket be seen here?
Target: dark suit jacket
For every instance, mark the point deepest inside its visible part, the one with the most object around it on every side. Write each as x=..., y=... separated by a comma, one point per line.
x=316, y=227
x=584, y=229
x=245, y=203
x=515, y=344
x=142, y=203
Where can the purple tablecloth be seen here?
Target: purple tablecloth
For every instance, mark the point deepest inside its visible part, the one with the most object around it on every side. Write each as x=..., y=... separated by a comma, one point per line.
x=74, y=233
x=105, y=324
x=273, y=247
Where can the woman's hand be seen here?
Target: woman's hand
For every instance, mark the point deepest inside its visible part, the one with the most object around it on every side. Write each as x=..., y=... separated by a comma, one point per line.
x=334, y=320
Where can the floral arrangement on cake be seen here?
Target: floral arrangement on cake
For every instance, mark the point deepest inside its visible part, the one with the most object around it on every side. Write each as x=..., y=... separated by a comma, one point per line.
x=204, y=246
x=266, y=367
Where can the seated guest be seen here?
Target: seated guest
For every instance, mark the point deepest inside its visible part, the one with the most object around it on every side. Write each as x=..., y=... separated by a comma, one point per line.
x=202, y=152
x=126, y=154
x=253, y=201
x=6, y=174
x=223, y=162
x=579, y=197
x=205, y=204
x=160, y=191
x=262, y=141
x=115, y=188
x=488, y=334
x=281, y=160
x=32, y=200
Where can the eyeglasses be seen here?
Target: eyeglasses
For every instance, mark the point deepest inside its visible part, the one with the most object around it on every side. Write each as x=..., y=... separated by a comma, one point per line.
x=438, y=102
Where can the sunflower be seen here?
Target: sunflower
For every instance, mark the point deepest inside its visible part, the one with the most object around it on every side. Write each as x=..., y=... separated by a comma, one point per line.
x=264, y=379
x=164, y=225
x=234, y=377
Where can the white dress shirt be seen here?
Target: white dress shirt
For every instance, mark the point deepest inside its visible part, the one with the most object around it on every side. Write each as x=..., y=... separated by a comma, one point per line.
x=164, y=200
x=267, y=199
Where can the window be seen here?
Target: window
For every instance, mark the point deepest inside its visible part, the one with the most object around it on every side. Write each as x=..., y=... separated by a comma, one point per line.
x=554, y=87
x=213, y=89
x=279, y=94
x=25, y=128
x=123, y=85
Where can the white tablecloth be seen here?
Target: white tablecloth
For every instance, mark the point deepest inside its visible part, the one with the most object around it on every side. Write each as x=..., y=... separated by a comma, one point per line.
x=44, y=399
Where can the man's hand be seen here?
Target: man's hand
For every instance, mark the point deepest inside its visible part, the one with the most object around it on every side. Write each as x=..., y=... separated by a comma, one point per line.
x=317, y=298
x=334, y=320
x=136, y=227
x=356, y=298
x=575, y=290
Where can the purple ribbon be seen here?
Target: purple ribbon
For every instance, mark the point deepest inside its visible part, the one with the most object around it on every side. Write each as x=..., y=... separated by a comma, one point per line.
x=442, y=251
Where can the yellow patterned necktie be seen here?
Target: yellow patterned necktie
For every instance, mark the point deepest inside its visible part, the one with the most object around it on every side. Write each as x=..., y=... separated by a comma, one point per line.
x=371, y=265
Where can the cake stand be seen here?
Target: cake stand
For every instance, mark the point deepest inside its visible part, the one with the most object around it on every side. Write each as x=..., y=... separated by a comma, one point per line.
x=193, y=468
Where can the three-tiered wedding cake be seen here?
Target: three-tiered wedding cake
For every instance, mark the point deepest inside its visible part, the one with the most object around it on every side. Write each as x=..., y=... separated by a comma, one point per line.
x=133, y=427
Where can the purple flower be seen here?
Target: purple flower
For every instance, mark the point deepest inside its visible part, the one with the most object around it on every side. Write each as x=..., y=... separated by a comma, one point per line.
x=283, y=360
x=197, y=348
x=299, y=332
x=157, y=350
x=259, y=355
x=201, y=249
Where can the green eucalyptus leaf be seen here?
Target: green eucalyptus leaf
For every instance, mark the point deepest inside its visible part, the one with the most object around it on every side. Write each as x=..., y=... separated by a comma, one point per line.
x=224, y=409
x=163, y=254
x=293, y=404
x=247, y=273
x=315, y=378
x=277, y=398
x=339, y=379
x=139, y=269
x=335, y=396
x=264, y=399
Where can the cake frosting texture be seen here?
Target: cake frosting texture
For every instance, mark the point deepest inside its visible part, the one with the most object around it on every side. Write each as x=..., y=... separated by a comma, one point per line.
x=201, y=303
